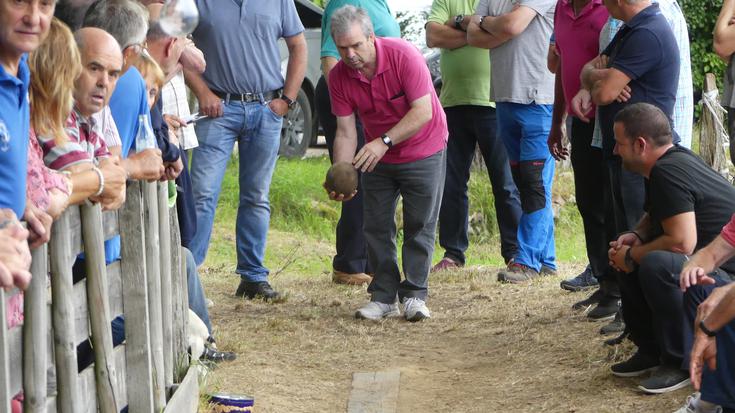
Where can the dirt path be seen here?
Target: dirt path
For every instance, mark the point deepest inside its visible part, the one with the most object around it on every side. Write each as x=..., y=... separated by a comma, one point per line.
x=488, y=348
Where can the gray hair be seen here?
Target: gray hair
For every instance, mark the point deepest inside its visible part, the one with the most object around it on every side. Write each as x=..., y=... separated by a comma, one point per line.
x=125, y=20
x=344, y=17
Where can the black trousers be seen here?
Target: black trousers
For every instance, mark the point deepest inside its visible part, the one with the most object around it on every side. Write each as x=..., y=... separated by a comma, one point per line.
x=351, y=248
x=589, y=186
x=653, y=307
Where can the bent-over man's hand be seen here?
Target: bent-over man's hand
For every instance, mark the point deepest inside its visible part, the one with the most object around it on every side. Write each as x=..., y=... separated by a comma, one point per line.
x=369, y=155
x=339, y=197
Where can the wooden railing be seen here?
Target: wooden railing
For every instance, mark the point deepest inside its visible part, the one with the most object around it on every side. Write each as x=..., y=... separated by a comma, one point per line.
x=147, y=286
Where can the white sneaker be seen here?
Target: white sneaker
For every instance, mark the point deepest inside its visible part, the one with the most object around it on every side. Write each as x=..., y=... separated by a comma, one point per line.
x=377, y=311
x=695, y=404
x=415, y=309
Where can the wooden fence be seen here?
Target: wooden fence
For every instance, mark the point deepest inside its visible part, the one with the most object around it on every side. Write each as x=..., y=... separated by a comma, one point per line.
x=147, y=286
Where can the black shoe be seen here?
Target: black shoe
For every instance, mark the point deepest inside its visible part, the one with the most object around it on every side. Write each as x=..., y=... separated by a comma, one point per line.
x=584, y=281
x=212, y=354
x=635, y=366
x=588, y=302
x=605, y=309
x=257, y=289
x=615, y=326
x=617, y=340
x=665, y=379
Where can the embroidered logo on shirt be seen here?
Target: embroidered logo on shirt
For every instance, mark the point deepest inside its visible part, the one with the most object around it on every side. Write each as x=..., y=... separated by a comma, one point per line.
x=4, y=137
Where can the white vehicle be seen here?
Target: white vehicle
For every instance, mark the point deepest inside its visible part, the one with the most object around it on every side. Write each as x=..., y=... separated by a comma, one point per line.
x=301, y=126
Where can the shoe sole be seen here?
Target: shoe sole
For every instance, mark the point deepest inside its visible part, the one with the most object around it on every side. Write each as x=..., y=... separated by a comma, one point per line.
x=392, y=314
x=418, y=317
x=676, y=386
x=633, y=373
x=610, y=317
x=575, y=289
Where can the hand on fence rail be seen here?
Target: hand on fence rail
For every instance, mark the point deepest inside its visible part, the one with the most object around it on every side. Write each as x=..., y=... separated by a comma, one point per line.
x=39, y=225
x=15, y=256
x=146, y=165
x=113, y=194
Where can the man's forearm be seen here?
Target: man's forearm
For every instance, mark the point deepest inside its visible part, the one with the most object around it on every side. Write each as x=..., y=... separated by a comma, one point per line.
x=445, y=36
x=590, y=76
x=196, y=82
x=663, y=243
x=479, y=38
x=344, y=147
x=560, y=104
x=415, y=119
x=296, y=69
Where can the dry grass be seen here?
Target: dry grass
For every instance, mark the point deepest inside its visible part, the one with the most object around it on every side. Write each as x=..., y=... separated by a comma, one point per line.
x=488, y=347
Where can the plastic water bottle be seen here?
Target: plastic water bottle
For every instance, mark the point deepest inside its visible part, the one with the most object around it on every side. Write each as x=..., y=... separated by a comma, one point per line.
x=179, y=17
x=145, y=139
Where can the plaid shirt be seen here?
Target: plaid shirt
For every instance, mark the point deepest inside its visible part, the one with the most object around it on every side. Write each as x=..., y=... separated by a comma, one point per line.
x=683, y=115
x=84, y=145
x=174, y=99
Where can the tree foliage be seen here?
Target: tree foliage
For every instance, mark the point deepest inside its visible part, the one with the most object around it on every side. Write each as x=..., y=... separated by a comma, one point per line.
x=701, y=16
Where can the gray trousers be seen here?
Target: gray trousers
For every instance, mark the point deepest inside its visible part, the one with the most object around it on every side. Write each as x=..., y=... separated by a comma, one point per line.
x=420, y=184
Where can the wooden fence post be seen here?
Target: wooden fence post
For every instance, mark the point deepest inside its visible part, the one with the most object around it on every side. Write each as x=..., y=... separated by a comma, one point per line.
x=180, y=297
x=164, y=230
x=153, y=270
x=139, y=377
x=5, y=395
x=99, y=307
x=35, y=335
x=63, y=315
x=711, y=140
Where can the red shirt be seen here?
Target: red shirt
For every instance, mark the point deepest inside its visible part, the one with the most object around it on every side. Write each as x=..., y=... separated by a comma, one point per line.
x=578, y=42
x=728, y=232
x=401, y=77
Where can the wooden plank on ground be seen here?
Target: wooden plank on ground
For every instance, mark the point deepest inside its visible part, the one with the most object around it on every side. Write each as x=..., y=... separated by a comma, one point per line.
x=186, y=397
x=374, y=392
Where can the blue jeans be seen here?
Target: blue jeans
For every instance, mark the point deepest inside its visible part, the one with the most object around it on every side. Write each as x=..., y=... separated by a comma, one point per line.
x=525, y=130
x=470, y=126
x=256, y=130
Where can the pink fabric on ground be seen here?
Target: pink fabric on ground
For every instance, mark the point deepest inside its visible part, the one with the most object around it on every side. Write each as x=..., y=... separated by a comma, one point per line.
x=400, y=78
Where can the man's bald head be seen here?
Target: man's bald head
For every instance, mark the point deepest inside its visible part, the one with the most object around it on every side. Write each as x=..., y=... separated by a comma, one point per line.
x=163, y=47
x=102, y=62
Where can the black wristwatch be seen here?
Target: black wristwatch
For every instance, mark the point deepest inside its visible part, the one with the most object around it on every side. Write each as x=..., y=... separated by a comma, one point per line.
x=706, y=330
x=386, y=140
x=291, y=103
x=480, y=23
x=458, y=19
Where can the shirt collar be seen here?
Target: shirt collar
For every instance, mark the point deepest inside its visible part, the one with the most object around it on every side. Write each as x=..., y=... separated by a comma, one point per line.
x=82, y=120
x=644, y=15
x=568, y=7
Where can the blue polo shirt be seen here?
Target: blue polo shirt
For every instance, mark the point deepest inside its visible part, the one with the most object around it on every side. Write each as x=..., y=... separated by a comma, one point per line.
x=14, y=129
x=384, y=24
x=129, y=100
x=240, y=42
x=645, y=49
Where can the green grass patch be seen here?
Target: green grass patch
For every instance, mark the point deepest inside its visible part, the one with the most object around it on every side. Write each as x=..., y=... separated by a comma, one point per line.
x=302, y=213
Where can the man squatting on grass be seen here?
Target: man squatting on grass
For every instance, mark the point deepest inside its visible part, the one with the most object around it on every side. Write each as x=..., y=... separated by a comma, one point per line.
x=387, y=84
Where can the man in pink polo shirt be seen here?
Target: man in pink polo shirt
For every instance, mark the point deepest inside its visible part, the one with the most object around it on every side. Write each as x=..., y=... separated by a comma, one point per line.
x=387, y=84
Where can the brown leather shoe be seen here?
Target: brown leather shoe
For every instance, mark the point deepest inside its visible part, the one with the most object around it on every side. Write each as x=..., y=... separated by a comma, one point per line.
x=359, y=278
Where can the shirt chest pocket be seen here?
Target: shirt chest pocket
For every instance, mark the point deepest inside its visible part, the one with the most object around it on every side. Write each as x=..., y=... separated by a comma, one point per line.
x=398, y=104
x=267, y=27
